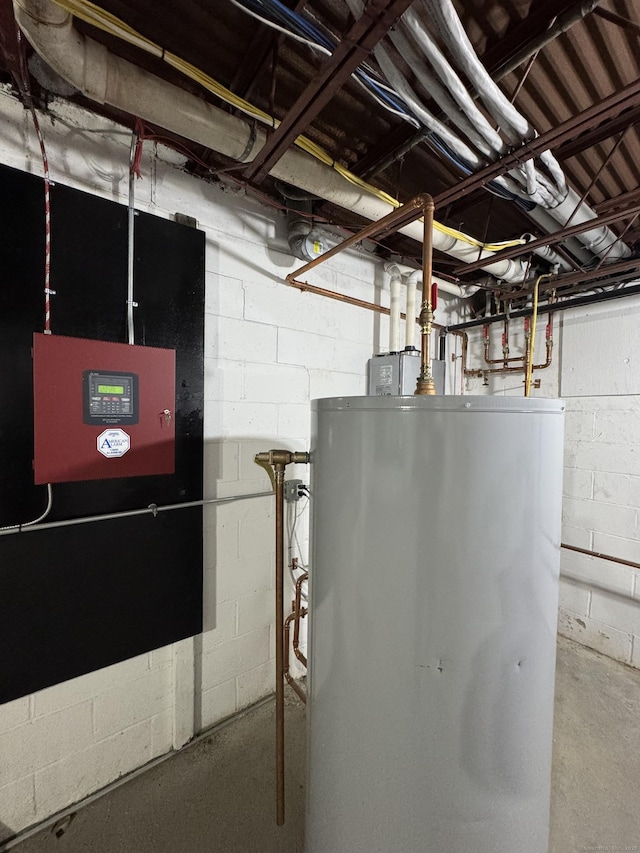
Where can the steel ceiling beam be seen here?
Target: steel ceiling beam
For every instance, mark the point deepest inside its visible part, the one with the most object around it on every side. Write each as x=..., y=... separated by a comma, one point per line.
x=551, y=239
x=625, y=200
x=377, y=18
x=599, y=134
x=590, y=118
x=625, y=23
x=550, y=20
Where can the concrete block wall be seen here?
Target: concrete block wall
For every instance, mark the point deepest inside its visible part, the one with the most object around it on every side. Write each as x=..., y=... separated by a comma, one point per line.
x=594, y=370
x=268, y=351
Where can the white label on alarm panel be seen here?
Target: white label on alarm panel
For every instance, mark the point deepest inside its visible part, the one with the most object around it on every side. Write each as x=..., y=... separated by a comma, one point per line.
x=113, y=443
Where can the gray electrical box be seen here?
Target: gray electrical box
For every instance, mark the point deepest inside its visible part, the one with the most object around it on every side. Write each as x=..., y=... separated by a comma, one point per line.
x=396, y=374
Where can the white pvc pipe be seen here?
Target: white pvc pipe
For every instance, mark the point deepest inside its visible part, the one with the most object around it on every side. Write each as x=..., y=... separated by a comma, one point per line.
x=410, y=322
x=462, y=291
x=106, y=78
x=394, y=319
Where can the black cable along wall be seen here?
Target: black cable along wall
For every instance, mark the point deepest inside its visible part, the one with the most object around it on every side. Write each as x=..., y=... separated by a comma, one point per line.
x=77, y=598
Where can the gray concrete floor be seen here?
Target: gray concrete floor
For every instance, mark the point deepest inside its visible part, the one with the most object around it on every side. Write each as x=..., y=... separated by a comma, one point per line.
x=218, y=794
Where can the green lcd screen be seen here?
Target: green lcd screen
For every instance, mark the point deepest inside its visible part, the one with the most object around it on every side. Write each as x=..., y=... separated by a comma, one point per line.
x=110, y=389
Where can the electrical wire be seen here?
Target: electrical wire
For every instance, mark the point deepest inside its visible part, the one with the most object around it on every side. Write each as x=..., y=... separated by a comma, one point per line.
x=28, y=97
x=293, y=536
x=278, y=28
x=37, y=520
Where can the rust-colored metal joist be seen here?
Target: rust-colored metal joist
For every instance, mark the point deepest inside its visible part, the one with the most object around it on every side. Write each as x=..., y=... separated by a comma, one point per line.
x=590, y=118
x=550, y=239
x=376, y=20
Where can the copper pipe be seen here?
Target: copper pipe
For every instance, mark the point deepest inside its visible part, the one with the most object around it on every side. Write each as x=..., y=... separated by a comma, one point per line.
x=279, y=481
x=420, y=205
x=505, y=344
x=296, y=635
x=504, y=361
x=426, y=385
x=290, y=679
x=393, y=221
x=600, y=556
x=342, y=297
x=480, y=372
x=275, y=462
x=300, y=613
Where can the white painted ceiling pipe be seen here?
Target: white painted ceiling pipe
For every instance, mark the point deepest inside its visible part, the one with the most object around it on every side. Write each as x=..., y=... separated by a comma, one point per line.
x=462, y=291
x=106, y=78
x=394, y=318
x=410, y=324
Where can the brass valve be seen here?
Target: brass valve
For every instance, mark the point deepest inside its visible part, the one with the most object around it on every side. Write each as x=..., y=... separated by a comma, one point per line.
x=274, y=461
x=426, y=386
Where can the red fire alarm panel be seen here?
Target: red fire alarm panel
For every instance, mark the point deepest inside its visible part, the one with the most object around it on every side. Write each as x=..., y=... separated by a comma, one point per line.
x=102, y=410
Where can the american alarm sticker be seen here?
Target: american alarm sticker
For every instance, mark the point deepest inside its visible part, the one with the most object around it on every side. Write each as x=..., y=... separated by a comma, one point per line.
x=113, y=443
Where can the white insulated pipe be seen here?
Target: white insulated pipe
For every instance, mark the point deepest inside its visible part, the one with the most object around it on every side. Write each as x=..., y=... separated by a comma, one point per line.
x=410, y=322
x=462, y=291
x=106, y=78
x=601, y=241
x=394, y=318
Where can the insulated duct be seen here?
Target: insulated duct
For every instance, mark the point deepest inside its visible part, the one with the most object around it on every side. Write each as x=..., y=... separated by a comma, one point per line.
x=108, y=79
x=444, y=19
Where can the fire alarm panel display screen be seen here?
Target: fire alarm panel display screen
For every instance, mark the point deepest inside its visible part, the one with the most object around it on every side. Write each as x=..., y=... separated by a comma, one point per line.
x=110, y=398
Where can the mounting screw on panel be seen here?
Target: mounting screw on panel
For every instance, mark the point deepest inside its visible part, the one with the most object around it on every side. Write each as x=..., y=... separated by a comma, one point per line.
x=291, y=490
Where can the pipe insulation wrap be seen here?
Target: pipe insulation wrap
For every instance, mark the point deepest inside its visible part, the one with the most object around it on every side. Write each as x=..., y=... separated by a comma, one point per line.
x=422, y=37
x=394, y=319
x=435, y=90
x=121, y=84
x=410, y=323
x=444, y=17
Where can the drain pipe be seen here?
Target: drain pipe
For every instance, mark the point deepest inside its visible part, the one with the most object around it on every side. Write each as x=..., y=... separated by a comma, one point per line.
x=462, y=291
x=410, y=314
x=394, y=302
x=106, y=78
x=274, y=462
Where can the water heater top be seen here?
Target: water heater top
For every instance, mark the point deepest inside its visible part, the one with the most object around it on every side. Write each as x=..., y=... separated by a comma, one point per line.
x=439, y=403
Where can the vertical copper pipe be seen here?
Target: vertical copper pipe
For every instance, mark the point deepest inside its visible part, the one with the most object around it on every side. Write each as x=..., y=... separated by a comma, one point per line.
x=279, y=489
x=425, y=384
x=274, y=462
x=300, y=612
x=290, y=680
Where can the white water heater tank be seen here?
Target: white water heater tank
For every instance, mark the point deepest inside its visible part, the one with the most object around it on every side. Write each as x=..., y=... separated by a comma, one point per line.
x=434, y=595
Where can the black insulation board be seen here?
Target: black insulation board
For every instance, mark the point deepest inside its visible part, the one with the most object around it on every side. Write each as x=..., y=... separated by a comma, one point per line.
x=75, y=599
